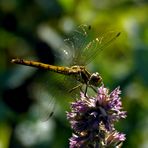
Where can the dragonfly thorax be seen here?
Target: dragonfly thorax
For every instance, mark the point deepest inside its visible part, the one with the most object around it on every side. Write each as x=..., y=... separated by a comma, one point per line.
x=83, y=76
x=80, y=73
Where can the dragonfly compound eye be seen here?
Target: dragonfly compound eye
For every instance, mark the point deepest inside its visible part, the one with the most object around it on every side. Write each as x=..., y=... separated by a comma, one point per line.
x=95, y=79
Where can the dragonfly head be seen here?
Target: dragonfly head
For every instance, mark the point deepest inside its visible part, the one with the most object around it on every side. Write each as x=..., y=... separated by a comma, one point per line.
x=95, y=79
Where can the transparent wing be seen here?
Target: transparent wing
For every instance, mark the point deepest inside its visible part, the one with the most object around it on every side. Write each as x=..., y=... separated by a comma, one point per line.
x=54, y=94
x=95, y=46
x=82, y=49
x=76, y=42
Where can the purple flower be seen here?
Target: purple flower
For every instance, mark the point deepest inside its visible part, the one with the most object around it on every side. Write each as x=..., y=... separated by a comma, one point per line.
x=115, y=138
x=92, y=119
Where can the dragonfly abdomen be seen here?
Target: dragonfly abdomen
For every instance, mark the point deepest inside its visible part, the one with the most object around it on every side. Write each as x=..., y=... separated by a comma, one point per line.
x=57, y=69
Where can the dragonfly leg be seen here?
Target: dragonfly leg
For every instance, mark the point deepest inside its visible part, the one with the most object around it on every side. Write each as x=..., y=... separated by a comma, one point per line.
x=76, y=87
x=93, y=88
x=86, y=90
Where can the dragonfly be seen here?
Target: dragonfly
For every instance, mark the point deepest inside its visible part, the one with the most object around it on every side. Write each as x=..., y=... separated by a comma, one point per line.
x=82, y=50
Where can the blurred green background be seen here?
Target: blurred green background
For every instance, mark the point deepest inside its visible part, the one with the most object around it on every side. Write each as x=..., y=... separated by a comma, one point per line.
x=34, y=30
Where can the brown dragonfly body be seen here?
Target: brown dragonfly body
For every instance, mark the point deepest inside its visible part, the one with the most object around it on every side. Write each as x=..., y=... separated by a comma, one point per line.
x=79, y=72
x=83, y=51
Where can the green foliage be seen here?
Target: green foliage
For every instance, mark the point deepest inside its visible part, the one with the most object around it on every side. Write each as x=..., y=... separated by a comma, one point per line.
x=35, y=30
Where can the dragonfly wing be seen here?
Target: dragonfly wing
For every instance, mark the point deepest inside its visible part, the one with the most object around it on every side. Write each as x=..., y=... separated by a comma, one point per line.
x=81, y=46
x=98, y=44
x=76, y=42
